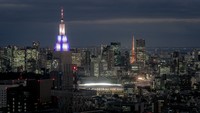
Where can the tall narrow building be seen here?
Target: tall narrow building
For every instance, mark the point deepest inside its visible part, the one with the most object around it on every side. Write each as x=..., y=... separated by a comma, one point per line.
x=62, y=41
x=133, y=59
x=140, y=51
x=115, y=47
x=62, y=59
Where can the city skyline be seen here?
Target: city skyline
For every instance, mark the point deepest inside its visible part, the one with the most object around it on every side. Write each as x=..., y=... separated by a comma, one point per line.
x=171, y=23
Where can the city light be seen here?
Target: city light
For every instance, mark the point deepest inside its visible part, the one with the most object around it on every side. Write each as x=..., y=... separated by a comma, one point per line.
x=65, y=47
x=58, y=47
x=62, y=28
x=64, y=39
x=74, y=68
x=140, y=78
x=100, y=84
x=59, y=38
x=115, y=77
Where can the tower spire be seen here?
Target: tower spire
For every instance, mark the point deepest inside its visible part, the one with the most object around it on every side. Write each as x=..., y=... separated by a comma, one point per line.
x=133, y=59
x=62, y=24
x=62, y=15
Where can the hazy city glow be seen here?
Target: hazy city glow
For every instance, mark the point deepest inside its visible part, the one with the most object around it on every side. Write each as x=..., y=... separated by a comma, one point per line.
x=100, y=84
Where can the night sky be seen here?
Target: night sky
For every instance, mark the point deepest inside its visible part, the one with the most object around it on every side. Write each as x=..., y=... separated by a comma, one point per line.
x=162, y=23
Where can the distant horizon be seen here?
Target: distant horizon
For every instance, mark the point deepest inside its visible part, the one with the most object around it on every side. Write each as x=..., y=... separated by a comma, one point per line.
x=91, y=46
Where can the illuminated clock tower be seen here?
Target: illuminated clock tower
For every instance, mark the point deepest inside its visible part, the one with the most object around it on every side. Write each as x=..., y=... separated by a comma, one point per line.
x=62, y=41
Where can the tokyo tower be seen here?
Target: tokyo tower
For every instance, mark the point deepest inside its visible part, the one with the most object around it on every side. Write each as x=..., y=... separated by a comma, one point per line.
x=133, y=59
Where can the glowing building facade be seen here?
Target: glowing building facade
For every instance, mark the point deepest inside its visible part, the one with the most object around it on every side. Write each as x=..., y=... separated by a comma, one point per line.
x=62, y=41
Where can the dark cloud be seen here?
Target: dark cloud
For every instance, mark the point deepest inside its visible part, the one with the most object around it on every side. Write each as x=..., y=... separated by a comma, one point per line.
x=89, y=22
x=101, y=9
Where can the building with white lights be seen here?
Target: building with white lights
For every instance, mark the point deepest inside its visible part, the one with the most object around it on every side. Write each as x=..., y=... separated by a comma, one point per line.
x=76, y=58
x=95, y=65
x=17, y=59
x=115, y=47
x=3, y=96
x=140, y=51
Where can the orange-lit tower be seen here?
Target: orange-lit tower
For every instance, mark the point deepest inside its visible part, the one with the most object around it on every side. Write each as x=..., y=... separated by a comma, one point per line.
x=133, y=59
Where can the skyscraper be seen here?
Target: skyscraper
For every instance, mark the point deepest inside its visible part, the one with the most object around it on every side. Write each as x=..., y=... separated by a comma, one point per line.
x=133, y=59
x=62, y=41
x=140, y=51
x=62, y=58
x=115, y=47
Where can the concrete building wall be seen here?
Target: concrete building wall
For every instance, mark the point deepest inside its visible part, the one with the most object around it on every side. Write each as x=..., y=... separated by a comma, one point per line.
x=45, y=90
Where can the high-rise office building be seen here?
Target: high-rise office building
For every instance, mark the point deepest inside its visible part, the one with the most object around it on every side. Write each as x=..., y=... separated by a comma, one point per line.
x=116, y=46
x=31, y=59
x=76, y=57
x=7, y=59
x=32, y=96
x=62, y=59
x=86, y=59
x=95, y=66
x=19, y=59
x=85, y=62
x=140, y=51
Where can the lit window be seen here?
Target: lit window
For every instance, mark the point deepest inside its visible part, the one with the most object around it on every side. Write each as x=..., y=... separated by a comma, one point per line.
x=64, y=39
x=58, y=47
x=65, y=47
x=59, y=38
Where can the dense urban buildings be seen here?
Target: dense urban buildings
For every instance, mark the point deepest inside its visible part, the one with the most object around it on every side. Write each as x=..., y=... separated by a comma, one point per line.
x=105, y=78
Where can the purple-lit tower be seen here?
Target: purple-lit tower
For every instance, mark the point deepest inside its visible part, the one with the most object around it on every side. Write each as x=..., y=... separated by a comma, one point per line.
x=62, y=59
x=62, y=41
